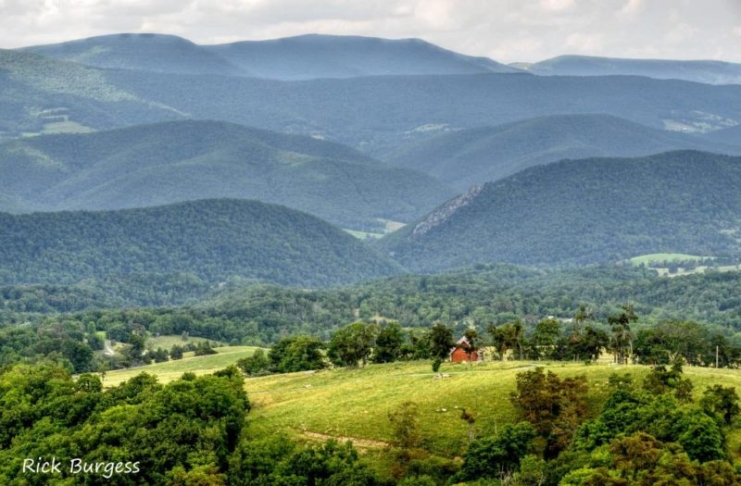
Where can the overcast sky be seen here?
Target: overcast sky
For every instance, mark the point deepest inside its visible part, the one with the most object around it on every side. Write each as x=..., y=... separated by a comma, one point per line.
x=505, y=30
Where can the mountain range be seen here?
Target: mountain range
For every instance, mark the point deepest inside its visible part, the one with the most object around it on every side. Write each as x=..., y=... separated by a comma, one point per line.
x=302, y=57
x=476, y=155
x=151, y=165
x=584, y=211
x=374, y=114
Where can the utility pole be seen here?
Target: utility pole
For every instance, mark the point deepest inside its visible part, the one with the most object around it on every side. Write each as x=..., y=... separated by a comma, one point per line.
x=716, y=357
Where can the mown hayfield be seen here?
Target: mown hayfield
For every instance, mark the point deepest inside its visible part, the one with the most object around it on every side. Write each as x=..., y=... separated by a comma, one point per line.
x=172, y=370
x=355, y=403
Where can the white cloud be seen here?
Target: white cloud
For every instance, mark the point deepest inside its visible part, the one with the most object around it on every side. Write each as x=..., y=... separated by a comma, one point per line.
x=556, y=5
x=591, y=43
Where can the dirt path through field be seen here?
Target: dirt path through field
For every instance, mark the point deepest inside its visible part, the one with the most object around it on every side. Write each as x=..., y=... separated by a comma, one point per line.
x=365, y=443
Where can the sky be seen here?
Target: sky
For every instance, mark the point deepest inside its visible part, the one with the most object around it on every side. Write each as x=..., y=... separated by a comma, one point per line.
x=504, y=30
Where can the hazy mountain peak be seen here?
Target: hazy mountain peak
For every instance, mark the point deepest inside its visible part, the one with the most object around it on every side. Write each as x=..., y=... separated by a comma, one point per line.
x=702, y=71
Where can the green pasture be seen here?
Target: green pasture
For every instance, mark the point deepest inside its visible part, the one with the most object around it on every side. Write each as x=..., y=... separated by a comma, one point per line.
x=172, y=370
x=353, y=404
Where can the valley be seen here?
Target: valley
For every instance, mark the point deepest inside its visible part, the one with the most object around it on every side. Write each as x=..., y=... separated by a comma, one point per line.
x=353, y=260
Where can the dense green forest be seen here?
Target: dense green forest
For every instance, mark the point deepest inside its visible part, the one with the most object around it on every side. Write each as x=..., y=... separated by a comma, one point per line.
x=211, y=239
x=584, y=211
x=165, y=163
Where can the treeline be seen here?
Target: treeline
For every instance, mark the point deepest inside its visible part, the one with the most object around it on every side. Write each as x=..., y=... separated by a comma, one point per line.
x=583, y=339
x=478, y=296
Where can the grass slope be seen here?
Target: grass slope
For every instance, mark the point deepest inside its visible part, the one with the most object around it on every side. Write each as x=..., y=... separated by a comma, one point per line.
x=354, y=404
x=178, y=161
x=712, y=72
x=172, y=370
x=584, y=211
x=212, y=239
x=477, y=155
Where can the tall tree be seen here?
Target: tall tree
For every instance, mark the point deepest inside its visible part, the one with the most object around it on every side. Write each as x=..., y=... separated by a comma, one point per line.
x=352, y=345
x=622, y=337
x=441, y=341
x=388, y=343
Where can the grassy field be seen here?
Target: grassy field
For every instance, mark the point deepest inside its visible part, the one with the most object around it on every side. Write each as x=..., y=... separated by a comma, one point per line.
x=664, y=257
x=354, y=403
x=172, y=370
x=168, y=341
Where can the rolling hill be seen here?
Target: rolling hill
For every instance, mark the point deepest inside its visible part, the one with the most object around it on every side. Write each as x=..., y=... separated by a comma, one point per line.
x=473, y=156
x=177, y=161
x=711, y=72
x=302, y=57
x=584, y=211
x=211, y=239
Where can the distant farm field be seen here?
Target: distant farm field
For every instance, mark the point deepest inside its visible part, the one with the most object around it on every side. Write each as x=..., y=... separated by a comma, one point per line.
x=665, y=257
x=168, y=341
x=172, y=370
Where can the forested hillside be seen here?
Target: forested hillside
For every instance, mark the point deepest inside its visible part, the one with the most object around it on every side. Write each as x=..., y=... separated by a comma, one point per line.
x=473, y=156
x=213, y=240
x=582, y=211
x=165, y=163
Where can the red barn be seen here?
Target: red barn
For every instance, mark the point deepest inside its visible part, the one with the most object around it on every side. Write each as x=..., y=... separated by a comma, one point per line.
x=458, y=354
